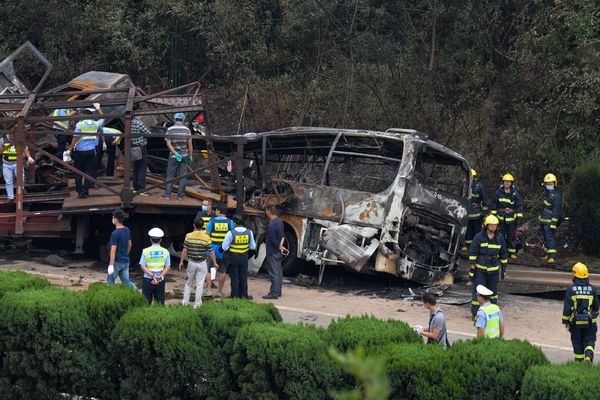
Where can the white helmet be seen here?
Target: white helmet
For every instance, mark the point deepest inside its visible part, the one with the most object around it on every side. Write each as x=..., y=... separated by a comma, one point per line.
x=156, y=233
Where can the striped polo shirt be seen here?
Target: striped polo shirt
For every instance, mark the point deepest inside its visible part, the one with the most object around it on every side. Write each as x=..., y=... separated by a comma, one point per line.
x=197, y=244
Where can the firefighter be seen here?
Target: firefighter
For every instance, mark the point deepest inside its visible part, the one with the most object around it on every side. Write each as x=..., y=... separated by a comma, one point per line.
x=508, y=207
x=549, y=217
x=487, y=255
x=477, y=208
x=580, y=312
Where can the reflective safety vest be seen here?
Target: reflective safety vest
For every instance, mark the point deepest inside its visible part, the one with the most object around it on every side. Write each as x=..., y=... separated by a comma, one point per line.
x=220, y=229
x=113, y=130
x=88, y=126
x=492, y=327
x=507, y=206
x=156, y=256
x=240, y=241
x=61, y=124
x=10, y=153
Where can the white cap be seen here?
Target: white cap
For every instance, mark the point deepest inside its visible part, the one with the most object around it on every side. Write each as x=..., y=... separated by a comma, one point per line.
x=156, y=233
x=482, y=290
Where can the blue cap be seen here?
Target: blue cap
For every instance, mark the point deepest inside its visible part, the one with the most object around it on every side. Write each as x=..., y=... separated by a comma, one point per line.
x=180, y=116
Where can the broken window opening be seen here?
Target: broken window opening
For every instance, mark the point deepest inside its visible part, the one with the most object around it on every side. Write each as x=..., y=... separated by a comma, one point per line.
x=442, y=172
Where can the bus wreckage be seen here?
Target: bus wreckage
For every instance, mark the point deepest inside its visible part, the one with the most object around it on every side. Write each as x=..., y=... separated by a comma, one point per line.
x=393, y=202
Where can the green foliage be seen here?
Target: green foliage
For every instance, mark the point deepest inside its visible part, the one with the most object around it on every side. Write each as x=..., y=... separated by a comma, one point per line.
x=368, y=370
x=105, y=306
x=584, y=206
x=222, y=321
x=14, y=281
x=282, y=361
x=557, y=382
x=163, y=352
x=46, y=345
x=370, y=333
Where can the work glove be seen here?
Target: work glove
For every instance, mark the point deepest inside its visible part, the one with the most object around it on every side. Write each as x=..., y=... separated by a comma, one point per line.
x=30, y=160
x=503, y=272
x=178, y=157
x=103, y=146
x=68, y=152
x=97, y=106
x=111, y=269
x=191, y=158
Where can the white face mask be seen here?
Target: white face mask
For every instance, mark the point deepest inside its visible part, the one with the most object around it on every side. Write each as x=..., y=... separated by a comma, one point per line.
x=113, y=222
x=548, y=187
x=425, y=307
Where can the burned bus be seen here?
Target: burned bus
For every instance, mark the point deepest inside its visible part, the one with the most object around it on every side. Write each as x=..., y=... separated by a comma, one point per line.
x=393, y=202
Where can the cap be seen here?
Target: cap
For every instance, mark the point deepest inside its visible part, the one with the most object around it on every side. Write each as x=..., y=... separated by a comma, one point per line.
x=180, y=116
x=482, y=290
x=156, y=233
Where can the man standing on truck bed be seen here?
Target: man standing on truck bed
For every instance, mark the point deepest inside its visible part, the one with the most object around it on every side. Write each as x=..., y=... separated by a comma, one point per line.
x=275, y=251
x=139, y=133
x=9, y=163
x=60, y=127
x=180, y=151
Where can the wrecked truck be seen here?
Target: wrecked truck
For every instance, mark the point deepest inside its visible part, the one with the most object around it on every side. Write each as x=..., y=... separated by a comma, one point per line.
x=393, y=202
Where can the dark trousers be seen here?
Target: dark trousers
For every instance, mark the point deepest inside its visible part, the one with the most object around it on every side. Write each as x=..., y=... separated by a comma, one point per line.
x=583, y=341
x=85, y=161
x=275, y=274
x=238, y=274
x=110, y=162
x=549, y=240
x=139, y=171
x=508, y=230
x=61, y=143
x=473, y=227
x=151, y=291
x=490, y=281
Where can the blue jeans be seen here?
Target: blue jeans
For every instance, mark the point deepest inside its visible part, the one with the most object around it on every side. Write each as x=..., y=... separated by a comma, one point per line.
x=9, y=170
x=122, y=271
x=172, y=168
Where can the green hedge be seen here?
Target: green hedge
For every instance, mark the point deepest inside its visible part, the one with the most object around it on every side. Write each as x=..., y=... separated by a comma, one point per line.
x=370, y=333
x=45, y=336
x=476, y=369
x=163, y=352
x=222, y=322
x=559, y=382
x=583, y=199
x=283, y=361
x=14, y=281
x=105, y=306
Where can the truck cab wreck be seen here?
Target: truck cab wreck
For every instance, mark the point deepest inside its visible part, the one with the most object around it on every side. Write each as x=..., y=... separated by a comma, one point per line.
x=393, y=202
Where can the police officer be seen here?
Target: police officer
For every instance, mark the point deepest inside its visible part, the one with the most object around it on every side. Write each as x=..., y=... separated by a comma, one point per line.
x=489, y=321
x=238, y=241
x=487, y=255
x=508, y=207
x=60, y=127
x=156, y=263
x=549, y=216
x=218, y=228
x=110, y=146
x=478, y=207
x=9, y=163
x=85, y=155
x=580, y=312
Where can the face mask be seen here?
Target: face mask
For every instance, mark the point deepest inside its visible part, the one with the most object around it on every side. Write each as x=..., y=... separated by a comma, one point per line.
x=548, y=187
x=113, y=222
x=425, y=307
x=204, y=208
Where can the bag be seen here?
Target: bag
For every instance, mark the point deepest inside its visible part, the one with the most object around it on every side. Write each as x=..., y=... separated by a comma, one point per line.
x=581, y=321
x=136, y=153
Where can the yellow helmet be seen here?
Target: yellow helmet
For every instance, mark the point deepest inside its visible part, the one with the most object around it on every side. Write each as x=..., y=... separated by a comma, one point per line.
x=550, y=178
x=508, y=177
x=491, y=219
x=580, y=270
x=473, y=172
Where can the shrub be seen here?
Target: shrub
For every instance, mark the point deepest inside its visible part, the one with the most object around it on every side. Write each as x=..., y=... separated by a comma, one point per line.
x=45, y=335
x=14, y=281
x=370, y=333
x=420, y=371
x=222, y=322
x=105, y=306
x=163, y=353
x=495, y=368
x=557, y=382
x=282, y=361
x=584, y=206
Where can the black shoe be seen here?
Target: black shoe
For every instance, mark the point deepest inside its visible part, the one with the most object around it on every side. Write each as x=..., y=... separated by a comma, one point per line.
x=81, y=196
x=249, y=297
x=270, y=297
x=166, y=197
x=85, y=195
x=213, y=286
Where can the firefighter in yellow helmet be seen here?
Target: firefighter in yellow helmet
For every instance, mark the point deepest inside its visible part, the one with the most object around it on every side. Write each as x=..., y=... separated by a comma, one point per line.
x=488, y=258
x=580, y=312
x=477, y=208
x=508, y=207
x=550, y=216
